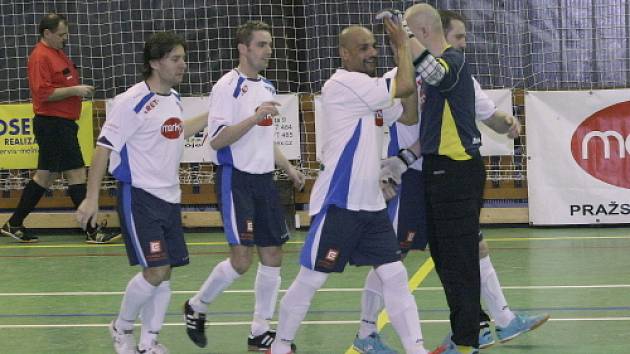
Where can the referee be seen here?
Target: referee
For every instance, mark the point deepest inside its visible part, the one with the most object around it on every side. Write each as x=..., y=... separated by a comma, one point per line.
x=56, y=91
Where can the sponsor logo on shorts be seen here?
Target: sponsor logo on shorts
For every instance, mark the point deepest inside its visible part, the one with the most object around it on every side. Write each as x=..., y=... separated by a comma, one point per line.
x=249, y=225
x=601, y=145
x=155, y=247
x=172, y=128
x=332, y=255
x=329, y=261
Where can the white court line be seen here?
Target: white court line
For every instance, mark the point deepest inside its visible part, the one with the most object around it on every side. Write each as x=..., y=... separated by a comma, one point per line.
x=326, y=290
x=248, y=323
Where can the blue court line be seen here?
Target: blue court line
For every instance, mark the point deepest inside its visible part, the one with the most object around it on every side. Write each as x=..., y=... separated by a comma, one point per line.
x=327, y=312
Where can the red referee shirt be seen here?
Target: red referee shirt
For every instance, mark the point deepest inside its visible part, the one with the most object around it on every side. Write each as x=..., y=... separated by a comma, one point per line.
x=48, y=69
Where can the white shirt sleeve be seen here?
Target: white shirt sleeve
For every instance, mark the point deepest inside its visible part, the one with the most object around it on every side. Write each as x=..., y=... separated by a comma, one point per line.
x=221, y=108
x=121, y=123
x=375, y=93
x=484, y=107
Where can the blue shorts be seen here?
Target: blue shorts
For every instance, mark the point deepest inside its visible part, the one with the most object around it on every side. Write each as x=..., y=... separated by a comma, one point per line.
x=250, y=208
x=152, y=229
x=338, y=236
x=408, y=212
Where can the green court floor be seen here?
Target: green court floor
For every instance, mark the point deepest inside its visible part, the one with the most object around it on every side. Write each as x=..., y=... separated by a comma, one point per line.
x=59, y=295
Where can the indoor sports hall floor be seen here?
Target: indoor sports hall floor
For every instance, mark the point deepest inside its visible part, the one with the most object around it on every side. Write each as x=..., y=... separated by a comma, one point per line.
x=59, y=295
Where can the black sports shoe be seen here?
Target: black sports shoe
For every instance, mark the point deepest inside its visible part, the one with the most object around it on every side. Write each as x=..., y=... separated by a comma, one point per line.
x=19, y=233
x=100, y=235
x=195, y=325
x=263, y=342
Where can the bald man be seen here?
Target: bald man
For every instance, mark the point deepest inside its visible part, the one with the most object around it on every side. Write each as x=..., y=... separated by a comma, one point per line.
x=349, y=222
x=454, y=172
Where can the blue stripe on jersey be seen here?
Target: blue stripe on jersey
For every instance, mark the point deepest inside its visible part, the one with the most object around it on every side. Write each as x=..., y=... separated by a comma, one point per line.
x=224, y=156
x=131, y=227
x=305, y=255
x=340, y=182
x=144, y=100
x=237, y=89
x=388, y=82
x=122, y=172
x=179, y=98
x=394, y=146
x=227, y=206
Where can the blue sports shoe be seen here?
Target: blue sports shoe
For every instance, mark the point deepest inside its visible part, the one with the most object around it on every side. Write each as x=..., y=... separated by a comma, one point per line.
x=519, y=325
x=486, y=339
x=371, y=344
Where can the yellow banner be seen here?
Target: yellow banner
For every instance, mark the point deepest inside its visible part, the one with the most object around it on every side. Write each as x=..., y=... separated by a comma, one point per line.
x=18, y=148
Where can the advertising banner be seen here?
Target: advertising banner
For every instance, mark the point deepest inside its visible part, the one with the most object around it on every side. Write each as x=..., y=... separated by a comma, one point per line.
x=18, y=148
x=578, y=147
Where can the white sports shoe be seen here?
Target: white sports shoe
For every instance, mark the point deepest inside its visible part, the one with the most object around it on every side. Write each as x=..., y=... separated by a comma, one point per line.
x=155, y=348
x=124, y=342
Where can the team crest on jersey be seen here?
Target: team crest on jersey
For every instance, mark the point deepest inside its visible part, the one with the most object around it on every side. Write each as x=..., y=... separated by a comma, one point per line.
x=152, y=104
x=378, y=118
x=244, y=89
x=172, y=128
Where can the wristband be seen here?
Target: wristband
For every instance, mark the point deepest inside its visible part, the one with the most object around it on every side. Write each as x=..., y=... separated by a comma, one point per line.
x=407, y=156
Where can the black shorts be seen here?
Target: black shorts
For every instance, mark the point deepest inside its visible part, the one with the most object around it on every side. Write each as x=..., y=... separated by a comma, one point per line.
x=152, y=229
x=250, y=208
x=407, y=211
x=59, y=148
x=339, y=236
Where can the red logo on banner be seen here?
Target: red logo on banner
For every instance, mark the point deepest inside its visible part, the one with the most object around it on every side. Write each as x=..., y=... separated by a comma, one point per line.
x=172, y=128
x=601, y=145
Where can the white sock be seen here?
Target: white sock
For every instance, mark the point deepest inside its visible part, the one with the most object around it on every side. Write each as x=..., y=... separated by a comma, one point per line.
x=294, y=306
x=152, y=314
x=222, y=276
x=139, y=291
x=401, y=306
x=266, y=288
x=492, y=294
x=371, y=304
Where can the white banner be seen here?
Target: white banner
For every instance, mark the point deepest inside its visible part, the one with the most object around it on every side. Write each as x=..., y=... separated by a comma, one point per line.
x=197, y=148
x=578, y=146
x=492, y=143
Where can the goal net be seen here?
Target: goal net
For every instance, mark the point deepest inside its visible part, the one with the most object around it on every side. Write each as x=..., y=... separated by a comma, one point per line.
x=519, y=45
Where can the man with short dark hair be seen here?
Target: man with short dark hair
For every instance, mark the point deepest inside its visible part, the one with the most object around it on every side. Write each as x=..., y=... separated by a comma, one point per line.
x=143, y=140
x=240, y=121
x=56, y=90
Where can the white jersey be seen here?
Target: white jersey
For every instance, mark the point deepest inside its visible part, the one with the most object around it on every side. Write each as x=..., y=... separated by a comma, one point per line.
x=352, y=129
x=402, y=136
x=145, y=132
x=484, y=107
x=233, y=99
